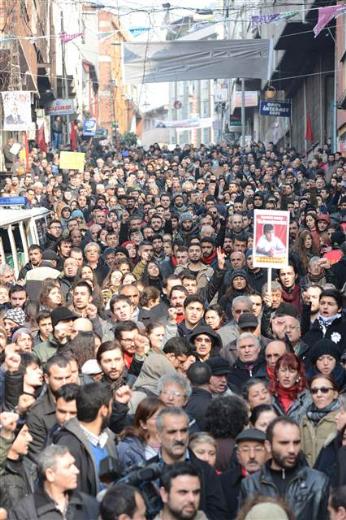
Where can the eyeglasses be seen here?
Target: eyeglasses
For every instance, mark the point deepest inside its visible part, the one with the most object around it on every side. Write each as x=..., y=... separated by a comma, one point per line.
x=247, y=449
x=322, y=389
x=171, y=393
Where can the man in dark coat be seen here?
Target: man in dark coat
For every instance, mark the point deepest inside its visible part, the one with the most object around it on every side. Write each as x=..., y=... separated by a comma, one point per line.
x=174, y=449
x=249, y=363
x=58, y=474
x=199, y=375
x=305, y=490
x=86, y=436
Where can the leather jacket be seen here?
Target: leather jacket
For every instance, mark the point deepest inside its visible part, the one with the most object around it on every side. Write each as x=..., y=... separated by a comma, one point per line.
x=306, y=494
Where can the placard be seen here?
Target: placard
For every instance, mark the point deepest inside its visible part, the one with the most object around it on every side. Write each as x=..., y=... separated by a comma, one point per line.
x=271, y=235
x=72, y=161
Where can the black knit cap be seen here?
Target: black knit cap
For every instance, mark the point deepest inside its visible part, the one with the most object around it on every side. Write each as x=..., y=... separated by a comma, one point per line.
x=324, y=347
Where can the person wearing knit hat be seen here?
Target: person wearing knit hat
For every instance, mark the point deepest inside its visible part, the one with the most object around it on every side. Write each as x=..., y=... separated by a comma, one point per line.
x=325, y=358
x=238, y=286
x=184, y=217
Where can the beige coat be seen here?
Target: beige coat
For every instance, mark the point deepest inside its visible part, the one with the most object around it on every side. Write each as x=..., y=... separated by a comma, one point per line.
x=315, y=437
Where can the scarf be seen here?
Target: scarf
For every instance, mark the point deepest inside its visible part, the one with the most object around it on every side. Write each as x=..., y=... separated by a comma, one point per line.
x=327, y=322
x=286, y=396
x=209, y=259
x=315, y=415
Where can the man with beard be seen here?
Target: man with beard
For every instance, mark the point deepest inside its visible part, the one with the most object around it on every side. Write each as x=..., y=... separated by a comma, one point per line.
x=195, y=266
x=180, y=493
x=87, y=436
x=41, y=418
x=187, y=229
x=173, y=432
x=287, y=476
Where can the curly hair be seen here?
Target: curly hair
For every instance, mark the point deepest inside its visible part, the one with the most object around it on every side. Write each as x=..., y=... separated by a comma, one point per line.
x=226, y=417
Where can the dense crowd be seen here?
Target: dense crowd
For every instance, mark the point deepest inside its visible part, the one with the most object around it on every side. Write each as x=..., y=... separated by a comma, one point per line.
x=148, y=368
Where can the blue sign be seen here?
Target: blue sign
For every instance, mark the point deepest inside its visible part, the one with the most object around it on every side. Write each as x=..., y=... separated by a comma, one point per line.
x=275, y=108
x=13, y=201
x=89, y=127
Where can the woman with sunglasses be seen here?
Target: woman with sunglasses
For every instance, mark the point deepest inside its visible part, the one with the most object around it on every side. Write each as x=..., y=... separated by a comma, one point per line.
x=319, y=423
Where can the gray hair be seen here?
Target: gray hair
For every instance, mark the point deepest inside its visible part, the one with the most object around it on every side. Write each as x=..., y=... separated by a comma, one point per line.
x=246, y=335
x=178, y=379
x=275, y=287
x=91, y=244
x=242, y=299
x=48, y=458
x=201, y=437
x=173, y=410
x=314, y=260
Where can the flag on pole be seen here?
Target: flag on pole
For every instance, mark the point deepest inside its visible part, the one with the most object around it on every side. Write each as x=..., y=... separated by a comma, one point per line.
x=65, y=38
x=326, y=14
x=41, y=139
x=309, y=136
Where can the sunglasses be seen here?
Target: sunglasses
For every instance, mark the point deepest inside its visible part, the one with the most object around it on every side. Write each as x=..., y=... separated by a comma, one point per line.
x=322, y=389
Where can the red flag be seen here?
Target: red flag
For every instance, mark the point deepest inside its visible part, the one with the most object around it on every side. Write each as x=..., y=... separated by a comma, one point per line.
x=40, y=139
x=309, y=136
x=26, y=147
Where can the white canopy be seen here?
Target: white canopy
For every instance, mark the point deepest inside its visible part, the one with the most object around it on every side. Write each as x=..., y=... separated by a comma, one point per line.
x=191, y=60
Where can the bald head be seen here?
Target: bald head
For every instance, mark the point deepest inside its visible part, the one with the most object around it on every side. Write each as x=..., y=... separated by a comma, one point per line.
x=83, y=325
x=274, y=350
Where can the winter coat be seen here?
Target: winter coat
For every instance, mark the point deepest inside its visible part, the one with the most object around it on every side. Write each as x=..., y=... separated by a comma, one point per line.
x=130, y=451
x=197, y=405
x=306, y=494
x=327, y=458
x=39, y=506
x=17, y=480
x=40, y=420
x=230, y=481
x=73, y=436
x=47, y=349
x=203, y=275
x=240, y=373
x=212, y=501
x=298, y=408
x=314, y=437
x=336, y=332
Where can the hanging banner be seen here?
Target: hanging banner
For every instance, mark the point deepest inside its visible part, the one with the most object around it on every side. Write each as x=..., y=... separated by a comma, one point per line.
x=275, y=108
x=17, y=110
x=179, y=60
x=89, y=127
x=195, y=122
x=271, y=233
x=61, y=107
x=72, y=161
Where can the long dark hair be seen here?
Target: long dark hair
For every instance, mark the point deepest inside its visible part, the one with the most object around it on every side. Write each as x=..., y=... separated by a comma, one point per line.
x=146, y=409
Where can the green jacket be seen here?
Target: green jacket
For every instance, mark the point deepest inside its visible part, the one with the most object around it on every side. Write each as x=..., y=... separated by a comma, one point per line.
x=46, y=349
x=5, y=445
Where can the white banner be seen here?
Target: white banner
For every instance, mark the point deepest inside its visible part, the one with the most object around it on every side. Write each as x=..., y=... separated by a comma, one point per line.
x=17, y=110
x=61, y=107
x=196, y=122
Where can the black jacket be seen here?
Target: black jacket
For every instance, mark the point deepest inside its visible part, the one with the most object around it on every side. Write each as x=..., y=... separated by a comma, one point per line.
x=335, y=332
x=40, y=420
x=240, y=373
x=212, y=499
x=328, y=457
x=230, y=481
x=39, y=506
x=306, y=494
x=197, y=405
x=17, y=480
x=72, y=435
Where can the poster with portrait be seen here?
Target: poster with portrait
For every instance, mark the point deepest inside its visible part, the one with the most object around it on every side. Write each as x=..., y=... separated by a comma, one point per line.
x=271, y=234
x=17, y=110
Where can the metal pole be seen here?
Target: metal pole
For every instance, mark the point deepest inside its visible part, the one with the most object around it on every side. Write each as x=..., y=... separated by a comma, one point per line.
x=65, y=81
x=243, y=112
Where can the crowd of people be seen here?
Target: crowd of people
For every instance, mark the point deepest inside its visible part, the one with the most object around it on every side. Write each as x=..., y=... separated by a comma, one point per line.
x=148, y=368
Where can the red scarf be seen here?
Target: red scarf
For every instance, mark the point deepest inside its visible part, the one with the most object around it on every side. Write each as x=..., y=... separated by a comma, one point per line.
x=128, y=358
x=286, y=396
x=207, y=260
